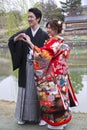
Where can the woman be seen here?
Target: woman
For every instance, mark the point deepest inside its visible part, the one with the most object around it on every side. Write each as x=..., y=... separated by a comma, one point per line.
x=54, y=88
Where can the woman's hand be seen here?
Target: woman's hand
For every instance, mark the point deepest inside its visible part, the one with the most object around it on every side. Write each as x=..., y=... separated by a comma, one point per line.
x=28, y=40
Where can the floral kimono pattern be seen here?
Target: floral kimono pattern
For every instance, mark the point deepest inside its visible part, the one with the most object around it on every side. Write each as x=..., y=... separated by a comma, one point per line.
x=54, y=88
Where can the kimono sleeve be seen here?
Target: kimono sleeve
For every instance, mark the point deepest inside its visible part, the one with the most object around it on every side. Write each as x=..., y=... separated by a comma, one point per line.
x=50, y=49
x=16, y=52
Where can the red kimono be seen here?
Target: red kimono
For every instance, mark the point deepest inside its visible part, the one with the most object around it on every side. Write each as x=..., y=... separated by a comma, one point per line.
x=54, y=88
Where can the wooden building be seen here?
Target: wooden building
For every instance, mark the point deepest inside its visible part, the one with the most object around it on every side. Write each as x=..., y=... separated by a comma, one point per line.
x=76, y=24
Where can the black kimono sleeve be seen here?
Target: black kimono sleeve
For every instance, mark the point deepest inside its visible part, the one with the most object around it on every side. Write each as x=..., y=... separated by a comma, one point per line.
x=16, y=50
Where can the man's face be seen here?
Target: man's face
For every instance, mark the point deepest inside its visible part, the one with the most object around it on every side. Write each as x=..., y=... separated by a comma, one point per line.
x=32, y=20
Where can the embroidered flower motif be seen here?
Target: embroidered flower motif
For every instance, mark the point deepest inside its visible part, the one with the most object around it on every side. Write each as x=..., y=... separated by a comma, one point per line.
x=55, y=47
x=51, y=84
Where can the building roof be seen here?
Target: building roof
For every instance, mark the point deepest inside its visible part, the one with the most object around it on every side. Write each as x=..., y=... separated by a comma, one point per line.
x=75, y=19
x=75, y=28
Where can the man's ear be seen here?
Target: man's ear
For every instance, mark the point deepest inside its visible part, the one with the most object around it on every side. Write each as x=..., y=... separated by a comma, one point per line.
x=38, y=20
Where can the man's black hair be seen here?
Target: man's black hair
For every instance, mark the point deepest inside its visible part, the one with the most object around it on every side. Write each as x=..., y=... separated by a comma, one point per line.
x=36, y=12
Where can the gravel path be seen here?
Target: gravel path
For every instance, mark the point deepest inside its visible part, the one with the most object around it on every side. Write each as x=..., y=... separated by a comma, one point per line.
x=8, y=122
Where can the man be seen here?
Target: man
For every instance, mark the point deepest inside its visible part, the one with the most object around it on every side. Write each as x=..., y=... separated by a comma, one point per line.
x=27, y=108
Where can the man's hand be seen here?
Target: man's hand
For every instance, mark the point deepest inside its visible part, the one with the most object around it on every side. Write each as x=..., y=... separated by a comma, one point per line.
x=20, y=36
x=25, y=38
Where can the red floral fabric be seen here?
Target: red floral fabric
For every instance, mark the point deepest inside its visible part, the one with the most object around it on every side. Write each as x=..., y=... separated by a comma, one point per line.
x=52, y=81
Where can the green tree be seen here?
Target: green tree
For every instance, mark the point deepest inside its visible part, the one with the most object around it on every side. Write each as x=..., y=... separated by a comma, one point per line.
x=50, y=10
x=71, y=7
x=2, y=18
x=13, y=20
x=17, y=17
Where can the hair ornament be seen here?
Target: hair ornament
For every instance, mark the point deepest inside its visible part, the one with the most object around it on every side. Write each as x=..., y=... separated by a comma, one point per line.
x=59, y=22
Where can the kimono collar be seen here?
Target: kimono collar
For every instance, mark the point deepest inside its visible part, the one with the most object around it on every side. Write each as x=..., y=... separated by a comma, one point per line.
x=34, y=31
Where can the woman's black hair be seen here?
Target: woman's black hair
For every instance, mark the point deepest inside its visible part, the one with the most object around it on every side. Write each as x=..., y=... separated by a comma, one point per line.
x=55, y=25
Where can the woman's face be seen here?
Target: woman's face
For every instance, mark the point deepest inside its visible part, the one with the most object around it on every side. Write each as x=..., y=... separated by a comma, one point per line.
x=51, y=32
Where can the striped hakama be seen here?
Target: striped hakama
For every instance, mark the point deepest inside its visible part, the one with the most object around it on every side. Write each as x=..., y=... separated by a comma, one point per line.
x=27, y=108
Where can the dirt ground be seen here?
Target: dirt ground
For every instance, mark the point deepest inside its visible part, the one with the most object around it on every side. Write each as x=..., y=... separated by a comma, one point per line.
x=8, y=121
x=7, y=108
